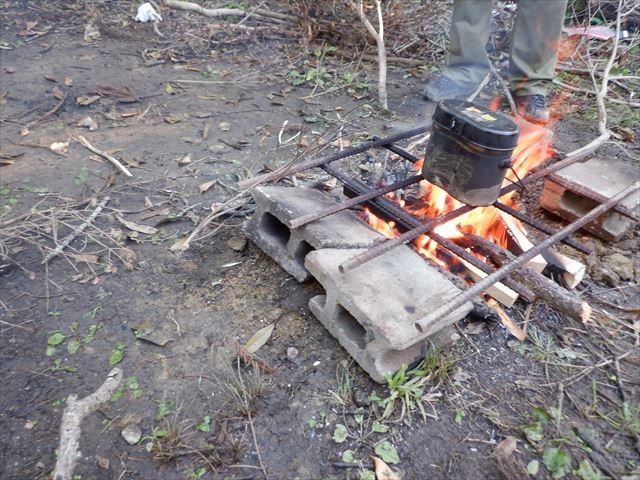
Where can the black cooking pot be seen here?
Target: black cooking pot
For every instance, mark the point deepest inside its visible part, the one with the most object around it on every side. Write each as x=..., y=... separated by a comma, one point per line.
x=469, y=151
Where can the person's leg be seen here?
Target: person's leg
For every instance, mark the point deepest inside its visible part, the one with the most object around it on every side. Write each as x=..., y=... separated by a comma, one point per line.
x=467, y=61
x=534, y=44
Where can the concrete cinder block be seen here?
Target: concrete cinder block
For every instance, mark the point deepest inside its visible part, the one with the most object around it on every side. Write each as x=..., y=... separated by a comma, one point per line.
x=575, y=190
x=277, y=206
x=372, y=309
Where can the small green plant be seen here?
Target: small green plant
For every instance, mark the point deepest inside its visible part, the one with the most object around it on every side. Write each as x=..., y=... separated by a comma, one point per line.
x=204, y=425
x=343, y=395
x=314, y=72
x=241, y=388
x=134, y=387
x=164, y=409
x=557, y=461
x=81, y=177
x=91, y=333
x=59, y=367
x=407, y=386
x=197, y=473
x=7, y=199
x=54, y=340
x=117, y=354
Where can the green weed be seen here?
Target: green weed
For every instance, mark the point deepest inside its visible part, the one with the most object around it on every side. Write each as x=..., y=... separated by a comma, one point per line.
x=407, y=386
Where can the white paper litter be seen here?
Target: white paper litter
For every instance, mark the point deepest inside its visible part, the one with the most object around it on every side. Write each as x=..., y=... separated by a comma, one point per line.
x=146, y=13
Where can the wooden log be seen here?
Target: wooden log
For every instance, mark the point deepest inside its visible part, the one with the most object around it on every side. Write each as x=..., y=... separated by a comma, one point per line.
x=559, y=298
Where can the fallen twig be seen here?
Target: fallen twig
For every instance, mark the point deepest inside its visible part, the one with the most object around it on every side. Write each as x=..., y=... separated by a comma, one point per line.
x=75, y=411
x=104, y=155
x=49, y=113
x=76, y=231
x=225, y=12
x=223, y=209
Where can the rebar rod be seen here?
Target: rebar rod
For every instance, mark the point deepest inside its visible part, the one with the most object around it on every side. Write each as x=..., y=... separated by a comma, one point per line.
x=410, y=235
x=310, y=217
x=499, y=274
x=405, y=221
x=542, y=227
x=347, y=152
x=401, y=152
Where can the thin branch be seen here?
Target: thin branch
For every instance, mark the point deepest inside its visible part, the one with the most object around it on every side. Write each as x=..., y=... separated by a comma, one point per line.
x=104, y=155
x=378, y=36
x=77, y=231
x=75, y=411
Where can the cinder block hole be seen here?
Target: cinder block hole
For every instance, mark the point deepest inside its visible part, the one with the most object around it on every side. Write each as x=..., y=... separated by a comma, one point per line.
x=576, y=204
x=274, y=229
x=302, y=250
x=350, y=327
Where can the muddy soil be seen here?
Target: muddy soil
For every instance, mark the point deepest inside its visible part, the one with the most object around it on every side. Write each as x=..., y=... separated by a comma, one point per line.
x=188, y=125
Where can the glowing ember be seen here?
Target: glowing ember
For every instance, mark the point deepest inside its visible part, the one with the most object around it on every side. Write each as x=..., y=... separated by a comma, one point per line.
x=532, y=150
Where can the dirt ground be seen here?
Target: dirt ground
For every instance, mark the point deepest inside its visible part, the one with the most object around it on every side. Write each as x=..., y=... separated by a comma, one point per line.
x=190, y=114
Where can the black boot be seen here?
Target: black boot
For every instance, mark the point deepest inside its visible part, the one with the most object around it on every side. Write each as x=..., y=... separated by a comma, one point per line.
x=533, y=108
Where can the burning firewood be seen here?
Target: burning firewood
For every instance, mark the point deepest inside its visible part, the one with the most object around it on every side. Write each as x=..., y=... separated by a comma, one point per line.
x=522, y=242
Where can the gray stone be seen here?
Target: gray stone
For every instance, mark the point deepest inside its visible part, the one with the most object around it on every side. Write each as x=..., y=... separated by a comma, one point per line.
x=600, y=272
x=620, y=264
x=237, y=243
x=293, y=355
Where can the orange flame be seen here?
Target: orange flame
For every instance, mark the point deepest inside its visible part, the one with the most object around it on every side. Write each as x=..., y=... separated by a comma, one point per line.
x=533, y=149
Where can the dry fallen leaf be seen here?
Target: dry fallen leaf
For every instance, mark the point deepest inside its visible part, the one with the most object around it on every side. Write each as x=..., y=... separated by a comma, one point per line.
x=103, y=462
x=203, y=187
x=85, y=100
x=174, y=118
x=474, y=328
x=60, y=148
x=24, y=131
x=180, y=246
x=224, y=126
x=258, y=339
x=59, y=94
x=50, y=78
x=506, y=447
x=89, y=123
x=186, y=160
x=91, y=33
x=383, y=471
x=136, y=227
x=68, y=81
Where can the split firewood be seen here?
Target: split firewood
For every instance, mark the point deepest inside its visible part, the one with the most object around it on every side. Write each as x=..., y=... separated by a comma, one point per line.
x=75, y=411
x=572, y=271
x=519, y=236
x=505, y=295
x=556, y=296
x=507, y=321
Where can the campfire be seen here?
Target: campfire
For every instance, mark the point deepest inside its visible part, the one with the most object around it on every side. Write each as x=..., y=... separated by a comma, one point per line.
x=533, y=149
x=379, y=317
